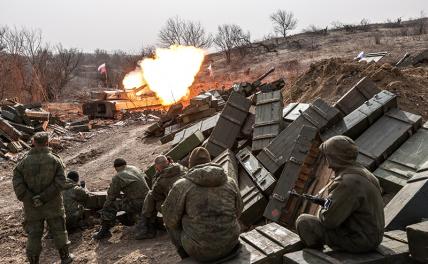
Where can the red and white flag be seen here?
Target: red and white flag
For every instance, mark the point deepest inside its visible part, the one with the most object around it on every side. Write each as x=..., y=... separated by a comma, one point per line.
x=102, y=68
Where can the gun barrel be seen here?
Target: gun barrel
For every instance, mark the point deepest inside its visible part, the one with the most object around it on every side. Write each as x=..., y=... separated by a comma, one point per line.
x=265, y=74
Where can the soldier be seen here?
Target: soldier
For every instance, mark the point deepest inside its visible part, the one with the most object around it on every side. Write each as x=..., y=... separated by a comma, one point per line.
x=354, y=221
x=201, y=211
x=75, y=198
x=38, y=180
x=131, y=182
x=167, y=174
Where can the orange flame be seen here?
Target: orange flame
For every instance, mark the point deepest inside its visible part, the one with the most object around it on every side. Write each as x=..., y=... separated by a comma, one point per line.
x=169, y=74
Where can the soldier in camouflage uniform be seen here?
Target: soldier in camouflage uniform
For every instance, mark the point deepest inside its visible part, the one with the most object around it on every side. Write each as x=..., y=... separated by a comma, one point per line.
x=167, y=173
x=132, y=183
x=38, y=180
x=202, y=210
x=354, y=221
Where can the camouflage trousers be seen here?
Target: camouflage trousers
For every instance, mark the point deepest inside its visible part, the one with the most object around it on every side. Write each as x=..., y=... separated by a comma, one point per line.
x=34, y=230
x=110, y=209
x=74, y=220
x=151, y=207
x=313, y=234
x=193, y=248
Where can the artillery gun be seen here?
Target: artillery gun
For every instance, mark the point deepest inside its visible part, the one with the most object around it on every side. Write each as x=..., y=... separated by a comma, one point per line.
x=247, y=88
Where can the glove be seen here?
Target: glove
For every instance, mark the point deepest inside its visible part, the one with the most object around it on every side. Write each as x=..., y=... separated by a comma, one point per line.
x=82, y=184
x=37, y=202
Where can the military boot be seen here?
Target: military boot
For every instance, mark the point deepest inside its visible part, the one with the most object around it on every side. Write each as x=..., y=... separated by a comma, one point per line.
x=33, y=259
x=103, y=233
x=65, y=255
x=182, y=253
x=145, y=229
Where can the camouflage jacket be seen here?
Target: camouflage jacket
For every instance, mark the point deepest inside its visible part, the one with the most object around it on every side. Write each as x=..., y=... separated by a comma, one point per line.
x=75, y=198
x=41, y=173
x=131, y=182
x=356, y=211
x=205, y=205
x=164, y=180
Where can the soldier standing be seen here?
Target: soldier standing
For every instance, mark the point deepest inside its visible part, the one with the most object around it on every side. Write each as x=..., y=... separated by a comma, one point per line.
x=201, y=211
x=38, y=180
x=167, y=174
x=354, y=221
x=131, y=182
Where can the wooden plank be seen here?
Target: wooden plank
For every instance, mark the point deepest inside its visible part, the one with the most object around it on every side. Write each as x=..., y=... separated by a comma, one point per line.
x=258, y=174
x=362, y=91
x=307, y=136
x=311, y=256
x=262, y=243
x=404, y=162
x=319, y=115
x=389, y=251
x=394, y=248
x=405, y=208
x=229, y=124
x=227, y=161
x=268, y=120
x=9, y=130
x=385, y=136
x=418, y=241
x=282, y=236
x=37, y=115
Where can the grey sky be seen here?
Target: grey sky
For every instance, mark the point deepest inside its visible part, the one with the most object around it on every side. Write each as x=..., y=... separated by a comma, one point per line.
x=127, y=24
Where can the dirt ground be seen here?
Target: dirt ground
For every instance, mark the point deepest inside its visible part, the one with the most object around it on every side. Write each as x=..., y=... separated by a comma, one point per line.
x=93, y=160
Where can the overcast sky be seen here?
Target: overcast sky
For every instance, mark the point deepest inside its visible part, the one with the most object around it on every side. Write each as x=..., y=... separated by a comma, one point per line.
x=128, y=24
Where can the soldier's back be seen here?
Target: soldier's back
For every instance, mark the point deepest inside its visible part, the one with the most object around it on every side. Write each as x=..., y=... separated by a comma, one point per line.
x=134, y=182
x=39, y=168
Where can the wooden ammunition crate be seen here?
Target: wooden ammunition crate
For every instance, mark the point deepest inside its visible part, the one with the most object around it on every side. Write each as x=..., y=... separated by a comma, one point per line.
x=228, y=161
x=357, y=95
x=229, y=124
x=411, y=157
x=296, y=172
x=385, y=136
x=319, y=115
x=268, y=121
x=409, y=205
x=258, y=174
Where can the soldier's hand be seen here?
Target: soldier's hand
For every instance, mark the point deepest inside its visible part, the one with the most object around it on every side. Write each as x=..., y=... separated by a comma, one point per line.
x=37, y=202
x=82, y=184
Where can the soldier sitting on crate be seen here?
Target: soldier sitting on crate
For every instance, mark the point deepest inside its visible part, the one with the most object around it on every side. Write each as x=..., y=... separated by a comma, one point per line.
x=201, y=211
x=131, y=182
x=354, y=221
x=167, y=173
x=75, y=197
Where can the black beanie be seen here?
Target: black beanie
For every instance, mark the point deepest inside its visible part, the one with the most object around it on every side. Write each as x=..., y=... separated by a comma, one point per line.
x=119, y=162
x=73, y=175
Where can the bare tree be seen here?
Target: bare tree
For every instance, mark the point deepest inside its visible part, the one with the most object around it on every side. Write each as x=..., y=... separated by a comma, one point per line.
x=194, y=35
x=63, y=66
x=283, y=21
x=33, y=67
x=181, y=32
x=229, y=37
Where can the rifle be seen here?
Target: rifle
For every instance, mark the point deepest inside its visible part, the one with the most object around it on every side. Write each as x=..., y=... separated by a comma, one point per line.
x=325, y=203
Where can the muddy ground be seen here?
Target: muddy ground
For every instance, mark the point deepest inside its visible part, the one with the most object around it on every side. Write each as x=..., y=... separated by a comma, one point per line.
x=93, y=159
